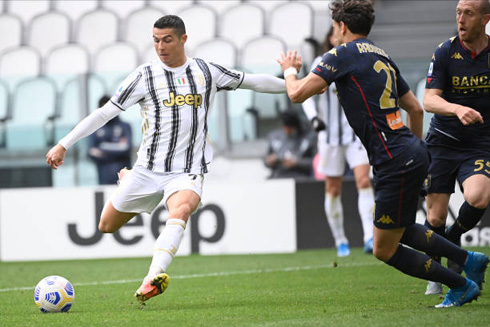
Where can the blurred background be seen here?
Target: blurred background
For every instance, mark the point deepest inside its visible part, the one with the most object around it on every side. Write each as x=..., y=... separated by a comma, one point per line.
x=57, y=58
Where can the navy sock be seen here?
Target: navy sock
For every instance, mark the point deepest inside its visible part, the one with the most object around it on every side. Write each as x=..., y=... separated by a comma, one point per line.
x=420, y=265
x=419, y=237
x=468, y=217
x=441, y=230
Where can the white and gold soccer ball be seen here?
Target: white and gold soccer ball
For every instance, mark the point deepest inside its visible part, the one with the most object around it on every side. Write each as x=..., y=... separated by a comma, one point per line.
x=54, y=294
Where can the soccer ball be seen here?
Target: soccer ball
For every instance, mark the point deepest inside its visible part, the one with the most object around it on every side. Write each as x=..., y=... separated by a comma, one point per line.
x=54, y=294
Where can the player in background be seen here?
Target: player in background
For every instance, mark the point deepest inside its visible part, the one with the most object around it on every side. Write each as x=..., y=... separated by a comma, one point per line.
x=337, y=144
x=175, y=95
x=458, y=93
x=372, y=91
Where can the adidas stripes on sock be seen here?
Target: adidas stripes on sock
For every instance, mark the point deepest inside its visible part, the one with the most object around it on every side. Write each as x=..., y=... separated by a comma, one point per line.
x=166, y=245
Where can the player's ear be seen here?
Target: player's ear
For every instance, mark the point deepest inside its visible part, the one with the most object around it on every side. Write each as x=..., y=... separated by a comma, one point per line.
x=343, y=28
x=183, y=38
x=486, y=19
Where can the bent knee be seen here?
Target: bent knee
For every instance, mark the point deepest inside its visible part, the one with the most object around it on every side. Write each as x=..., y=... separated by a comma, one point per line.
x=383, y=254
x=479, y=202
x=105, y=227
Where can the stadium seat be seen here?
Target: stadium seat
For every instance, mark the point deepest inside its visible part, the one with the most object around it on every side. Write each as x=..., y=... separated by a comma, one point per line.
x=15, y=28
x=114, y=62
x=240, y=34
x=66, y=62
x=171, y=7
x=123, y=10
x=12, y=72
x=200, y=23
x=74, y=9
x=27, y=9
x=48, y=30
x=260, y=55
x=218, y=50
x=66, y=65
x=33, y=105
x=101, y=23
x=139, y=27
x=266, y=5
x=280, y=23
x=221, y=6
x=4, y=110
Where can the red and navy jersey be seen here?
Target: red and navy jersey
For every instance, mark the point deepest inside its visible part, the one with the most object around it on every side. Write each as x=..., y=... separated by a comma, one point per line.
x=369, y=85
x=464, y=78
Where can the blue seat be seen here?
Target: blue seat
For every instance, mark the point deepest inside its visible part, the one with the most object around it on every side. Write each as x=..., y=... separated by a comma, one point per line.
x=33, y=106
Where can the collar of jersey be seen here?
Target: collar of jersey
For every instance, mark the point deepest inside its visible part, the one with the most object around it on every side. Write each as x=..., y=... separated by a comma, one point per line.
x=176, y=69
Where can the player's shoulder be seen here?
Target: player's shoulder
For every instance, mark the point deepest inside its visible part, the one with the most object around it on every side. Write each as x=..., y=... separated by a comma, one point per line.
x=447, y=45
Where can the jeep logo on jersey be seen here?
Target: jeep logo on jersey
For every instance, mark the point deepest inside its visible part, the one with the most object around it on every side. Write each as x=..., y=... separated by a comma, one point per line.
x=179, y=100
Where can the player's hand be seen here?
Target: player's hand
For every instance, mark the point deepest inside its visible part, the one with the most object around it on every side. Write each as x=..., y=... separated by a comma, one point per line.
x=318, y=124
x=120, y=175
x=290, y=59
x=469, y=116
x=55, y=156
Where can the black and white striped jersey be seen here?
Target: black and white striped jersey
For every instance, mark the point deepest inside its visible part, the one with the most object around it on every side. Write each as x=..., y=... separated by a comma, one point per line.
x=175, y=104
x=329, y=109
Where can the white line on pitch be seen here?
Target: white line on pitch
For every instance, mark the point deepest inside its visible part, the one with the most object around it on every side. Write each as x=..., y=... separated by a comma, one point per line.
x=224, y=273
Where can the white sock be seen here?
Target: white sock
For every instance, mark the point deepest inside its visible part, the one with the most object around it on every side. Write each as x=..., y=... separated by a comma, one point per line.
x=365, y=205
x=335, y=218
x=166, y=246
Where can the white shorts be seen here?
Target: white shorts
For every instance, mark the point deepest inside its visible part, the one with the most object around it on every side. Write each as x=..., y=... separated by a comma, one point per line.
x=333, y=157
x=141, y=190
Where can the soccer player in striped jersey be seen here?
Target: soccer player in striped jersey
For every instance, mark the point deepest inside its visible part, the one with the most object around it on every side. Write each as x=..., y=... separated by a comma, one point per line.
x=458, y=93
x=372, y=91
x=337, y=144
x=175, y=96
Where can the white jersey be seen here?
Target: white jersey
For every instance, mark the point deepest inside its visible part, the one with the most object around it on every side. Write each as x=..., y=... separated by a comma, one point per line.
x=175, y=104
x=338, y=130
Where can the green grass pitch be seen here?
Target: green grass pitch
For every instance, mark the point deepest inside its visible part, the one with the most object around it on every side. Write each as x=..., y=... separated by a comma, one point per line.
x=299, y=289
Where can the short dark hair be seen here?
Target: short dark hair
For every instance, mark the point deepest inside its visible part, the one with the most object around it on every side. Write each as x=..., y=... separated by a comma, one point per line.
x=357, y=15
x=290, y=118
x=171, y=21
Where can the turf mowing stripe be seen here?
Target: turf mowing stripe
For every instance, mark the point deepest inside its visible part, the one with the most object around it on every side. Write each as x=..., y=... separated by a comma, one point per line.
x=224, y=273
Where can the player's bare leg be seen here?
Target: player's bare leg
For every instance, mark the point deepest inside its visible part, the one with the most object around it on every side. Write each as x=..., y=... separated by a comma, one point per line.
x=180, y=205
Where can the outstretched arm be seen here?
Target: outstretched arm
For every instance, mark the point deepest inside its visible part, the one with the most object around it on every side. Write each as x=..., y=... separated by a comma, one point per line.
x=87, y=126
x=299, y=89
x=263, y=83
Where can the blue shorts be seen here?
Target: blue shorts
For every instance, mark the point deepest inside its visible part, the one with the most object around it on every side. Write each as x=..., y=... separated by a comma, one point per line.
x=398, y=183
x=450, y=164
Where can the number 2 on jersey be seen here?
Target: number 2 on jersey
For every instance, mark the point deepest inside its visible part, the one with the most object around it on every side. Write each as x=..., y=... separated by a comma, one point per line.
x=386, y=101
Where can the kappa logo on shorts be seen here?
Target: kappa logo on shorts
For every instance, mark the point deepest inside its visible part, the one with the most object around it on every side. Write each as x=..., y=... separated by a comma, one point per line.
x=385, y=219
